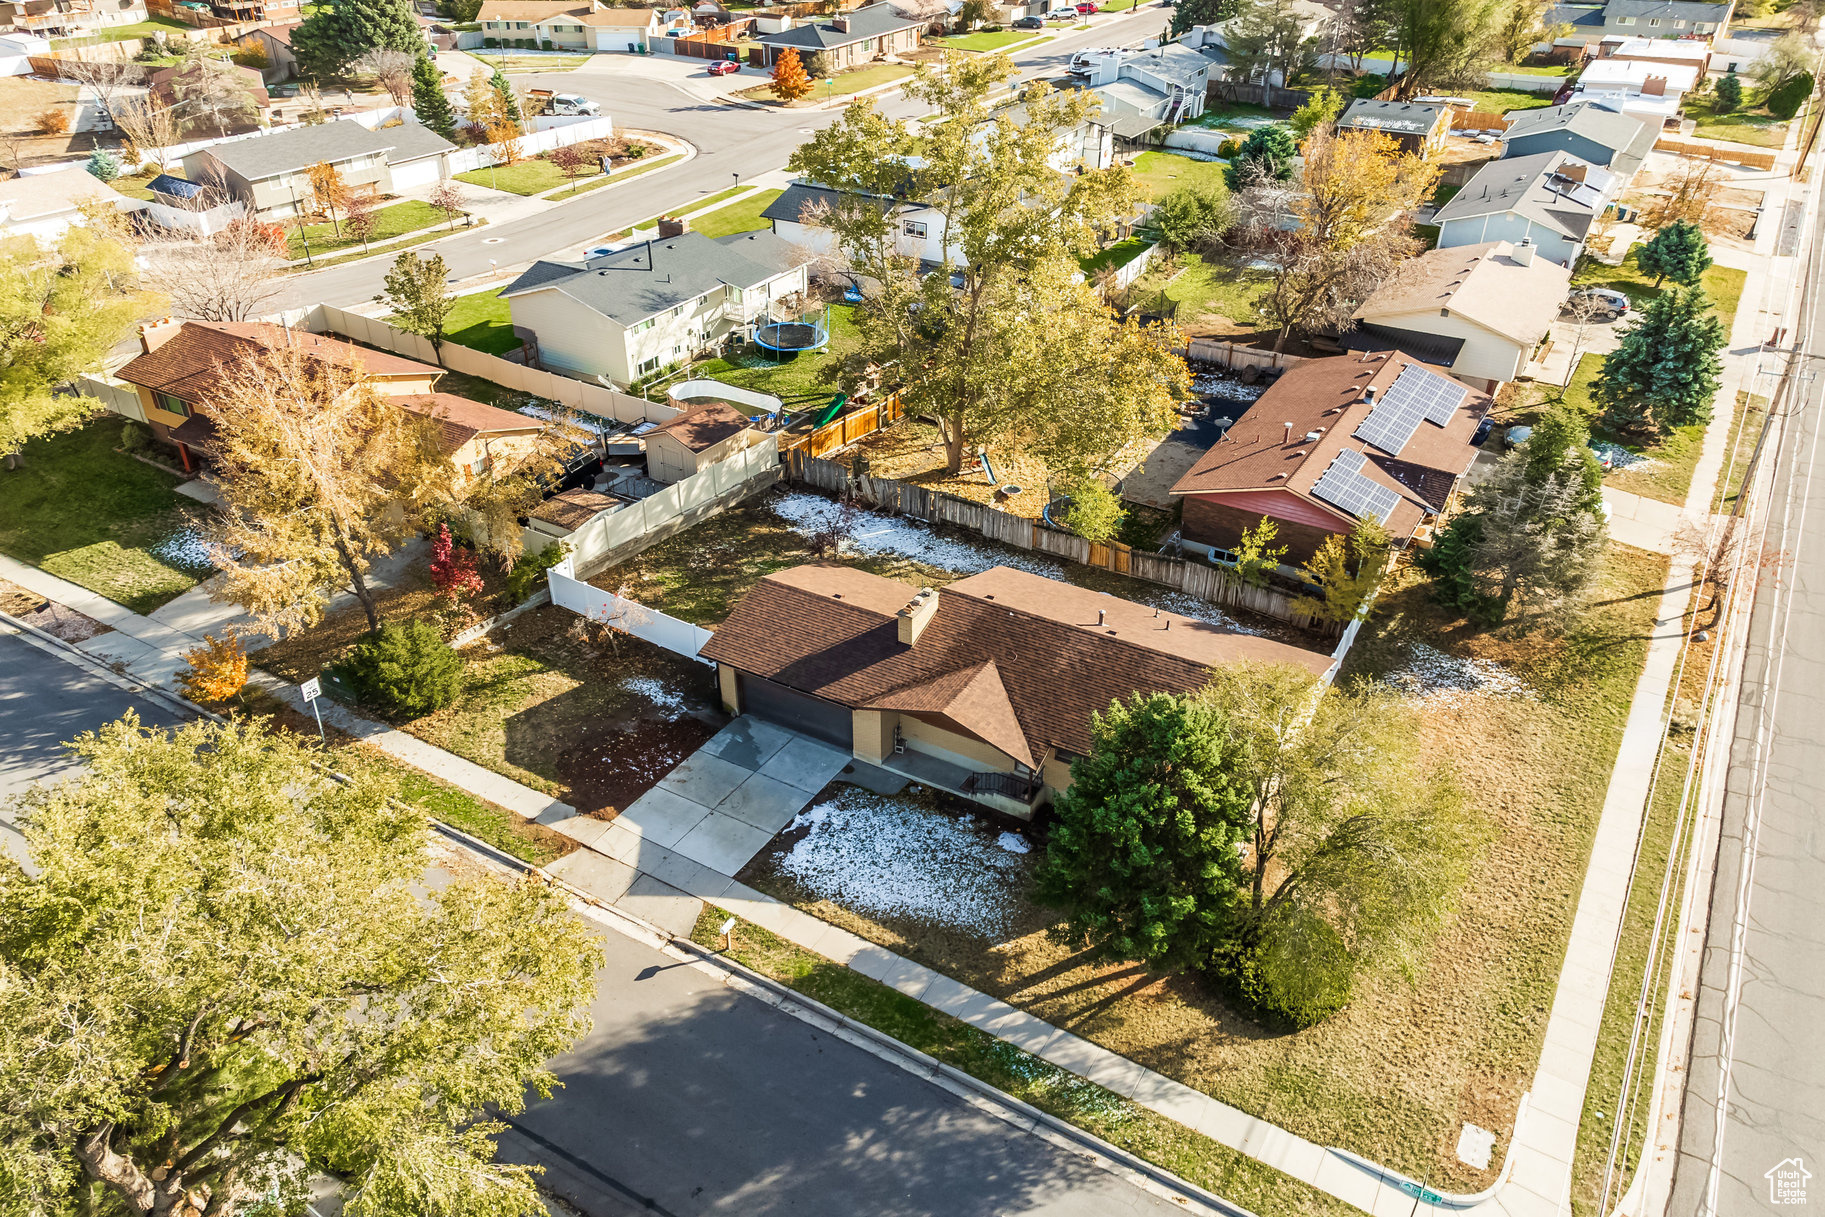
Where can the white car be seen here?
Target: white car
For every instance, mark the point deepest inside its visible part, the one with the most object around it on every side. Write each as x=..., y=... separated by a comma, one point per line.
x=570, y=103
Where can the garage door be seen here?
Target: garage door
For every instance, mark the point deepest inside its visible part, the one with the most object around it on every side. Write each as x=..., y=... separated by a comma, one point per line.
x=790, y=708
x=416, y=174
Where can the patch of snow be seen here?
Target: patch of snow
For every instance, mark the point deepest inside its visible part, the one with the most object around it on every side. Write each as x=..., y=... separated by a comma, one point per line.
x=547, y=412
x=1440, y=679
x=1620, y=457
x=883, y=534
x=1225, y=388
x=655, y=691
x=1187, y=605
x=186, y=548
x=1014, y=843
x=882, y=855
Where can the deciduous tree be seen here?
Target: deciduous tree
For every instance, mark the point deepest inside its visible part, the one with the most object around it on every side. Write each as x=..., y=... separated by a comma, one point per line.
x=233, y=275
x=1785, y=100
x=218, y=669
x=1202, y=12
x=1321, y=109
x=319, y=475
x=1355, y=845
x=1522, y=24
x=152, y=127
x=1257, y=557
x=1786, y=57
x=448, y=198
x=212, y=95
x=1677, y=252
x=1665, y=372
x=1142, y=856
x=1190, y=217
x=1095, y=513
x=62, y=310
x=393, y=69
x=1445, y=44
x=259, y=984
x=429, y=101
x=568, y=161
x=358, y=216
x=328, y=191
x=1021, y=346
x=790, y=80
x=1686, y=196
x=1347, y=572
x=483, y=100
x=417, y=289
x=452, y=566
x=1267, y=40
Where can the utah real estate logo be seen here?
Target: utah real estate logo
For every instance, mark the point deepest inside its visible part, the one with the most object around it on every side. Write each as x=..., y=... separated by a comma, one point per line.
x=1787, y=1182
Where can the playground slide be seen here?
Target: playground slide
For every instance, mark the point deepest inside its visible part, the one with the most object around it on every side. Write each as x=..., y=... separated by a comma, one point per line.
x=837, y=403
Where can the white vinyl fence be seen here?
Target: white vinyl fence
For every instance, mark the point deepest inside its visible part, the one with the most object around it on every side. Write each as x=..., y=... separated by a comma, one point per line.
x=619, y=533
x=116, y=395
x=1135, y=268
x=548, y=132
x=195, y=223
x=628, y=616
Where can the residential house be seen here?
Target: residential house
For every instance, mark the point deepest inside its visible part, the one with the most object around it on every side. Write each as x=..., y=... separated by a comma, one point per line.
x=620, y=29
x=1212, y=41
x=695, y=439
x=176, y=88
x=1419, y=127
x=848, y=40
x=627, y=313
x=579, y=25
x=1651, y=92
x=919, y=230
x=1678, y=52
x=46, y=205
x=180, y=366
x=1158, y=85
x=1667, y=18
x=1381, y=436
x=68, y=18
x=271, y=173
x=1582, y=26
x=258, y=12
x=984, y=688
x=275, y=42
x=1586, y=129
x=1550, y=198
x=1492, y=304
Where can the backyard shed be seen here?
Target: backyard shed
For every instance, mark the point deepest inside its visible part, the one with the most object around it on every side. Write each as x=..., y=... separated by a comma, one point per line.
x=701, y=436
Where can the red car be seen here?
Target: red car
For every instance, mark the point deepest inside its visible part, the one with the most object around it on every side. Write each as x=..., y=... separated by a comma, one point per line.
x=1086, y=8
x=724, y=67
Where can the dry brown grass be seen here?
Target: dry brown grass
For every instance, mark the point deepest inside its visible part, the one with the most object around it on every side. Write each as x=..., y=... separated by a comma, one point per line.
x=911, y=451
x=1396, y=1073
x=23, y=99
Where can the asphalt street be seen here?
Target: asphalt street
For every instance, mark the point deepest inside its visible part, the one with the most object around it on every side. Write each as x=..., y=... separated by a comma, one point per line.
x=730, y=140
x=687, y=1098
x=1755, y=1092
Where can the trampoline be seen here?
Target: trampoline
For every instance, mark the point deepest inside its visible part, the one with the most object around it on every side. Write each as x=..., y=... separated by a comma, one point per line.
x=784, y=340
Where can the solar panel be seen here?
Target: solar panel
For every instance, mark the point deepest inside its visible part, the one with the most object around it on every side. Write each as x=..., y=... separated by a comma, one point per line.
x=1415, y=395
x=1343, y=485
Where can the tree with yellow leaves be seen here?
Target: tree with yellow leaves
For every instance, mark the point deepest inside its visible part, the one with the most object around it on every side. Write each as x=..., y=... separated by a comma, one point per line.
x=790, y=80
x=218, y=669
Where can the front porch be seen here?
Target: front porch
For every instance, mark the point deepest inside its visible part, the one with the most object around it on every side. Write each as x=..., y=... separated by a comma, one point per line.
x=1009, y=793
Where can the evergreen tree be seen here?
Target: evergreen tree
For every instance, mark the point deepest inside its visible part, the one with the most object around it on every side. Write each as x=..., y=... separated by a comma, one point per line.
x=1202, y=12
x=1785, y=99
x=1677, y=252
x=405, y=668
x=1665, y=373
x=429, y=101
x=336, y=35
x=510, y=105
x=1269, y=150
x=1729, y=93
x=1143, y=855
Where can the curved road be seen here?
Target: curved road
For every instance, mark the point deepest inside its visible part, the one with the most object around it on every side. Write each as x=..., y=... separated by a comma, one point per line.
x=729, y=139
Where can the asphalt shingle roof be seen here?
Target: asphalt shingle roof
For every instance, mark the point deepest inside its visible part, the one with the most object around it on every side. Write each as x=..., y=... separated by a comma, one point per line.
x=1629, y=139
x=1404, y=117
x=288, y=151
x=634, y=283
x=1687, y=10
x=1525, y=185
x=870, y=22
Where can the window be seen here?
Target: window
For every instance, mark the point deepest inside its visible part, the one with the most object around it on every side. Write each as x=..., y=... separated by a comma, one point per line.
x=915, y=228
x=641, y=327
x=649, y=365
x=479, y=465
x=173, y=405
x=1679, y=25
x=1625, y=21
x=1653, y=21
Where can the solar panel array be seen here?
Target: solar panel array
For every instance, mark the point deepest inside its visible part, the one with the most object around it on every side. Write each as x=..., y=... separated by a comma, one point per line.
x=1415, y=395
x=1343, y=485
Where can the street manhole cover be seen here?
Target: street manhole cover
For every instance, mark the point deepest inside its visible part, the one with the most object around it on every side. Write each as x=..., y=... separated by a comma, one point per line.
x=493, y=240
x=807, y=130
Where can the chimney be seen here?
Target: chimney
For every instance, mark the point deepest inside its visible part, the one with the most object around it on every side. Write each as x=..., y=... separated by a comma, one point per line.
x=917, y=615
x=840, y=25
x=669, y=228
x=155, y=334
x=1524, y=252
x=1654, y=86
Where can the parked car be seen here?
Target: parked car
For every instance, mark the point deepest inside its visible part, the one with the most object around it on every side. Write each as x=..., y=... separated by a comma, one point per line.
x=1088, y=7
x=724, y=67
x=1062, y=14
x=1482, y=431
x=1030, y=23
x=1606, y=302
x=544, y=101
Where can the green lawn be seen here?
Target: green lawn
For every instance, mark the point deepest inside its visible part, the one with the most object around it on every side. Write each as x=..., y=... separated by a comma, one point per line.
x=1118, y=255
x=83, y=512
x=1724, y=284
x=395, y=220
x=621, y=175
x=134, y=185
x=1524, y=69
x=1741, y=127
x=1673, y=457
x=844, y=83
x=510, y=62
x=1745, y=430
x=1001, y=40
x=1202, y=288
x=482, y=322
x=120, y=33
x=534, y=175
x=1218, y=114
x=1160, y=172
x=736, y=217
x=1501, y=101
x=797, y=377
x=1064, y=1095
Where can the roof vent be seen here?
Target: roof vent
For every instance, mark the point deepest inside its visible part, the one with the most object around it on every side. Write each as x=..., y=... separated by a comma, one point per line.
x=1368, y=395
x=1312, y=437
x=1101, y=616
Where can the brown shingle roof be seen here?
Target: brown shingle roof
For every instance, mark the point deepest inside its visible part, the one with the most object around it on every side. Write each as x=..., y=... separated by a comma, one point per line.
x=704, y=425
x=459, y=419
x=1482, y=283
x=831, y=631
x=189, y=363
x=1325, y=395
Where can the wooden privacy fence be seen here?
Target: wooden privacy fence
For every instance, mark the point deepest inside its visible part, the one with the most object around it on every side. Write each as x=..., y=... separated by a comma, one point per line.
x=845, y=430
x=1211, y=583
x=1216, y=350
x=1729, y=154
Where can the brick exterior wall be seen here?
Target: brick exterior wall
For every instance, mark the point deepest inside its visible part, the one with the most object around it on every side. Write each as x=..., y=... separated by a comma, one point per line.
x=1210, y=521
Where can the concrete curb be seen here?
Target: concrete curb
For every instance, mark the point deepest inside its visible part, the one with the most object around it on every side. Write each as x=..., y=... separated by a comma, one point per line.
x=81, y=658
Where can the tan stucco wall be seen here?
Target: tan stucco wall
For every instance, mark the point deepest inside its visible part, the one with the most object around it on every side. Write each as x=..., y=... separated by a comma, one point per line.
x=960, y=749
x=1055, y=773
x=1486, y=355
x=731, y=692
x=873, y=731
